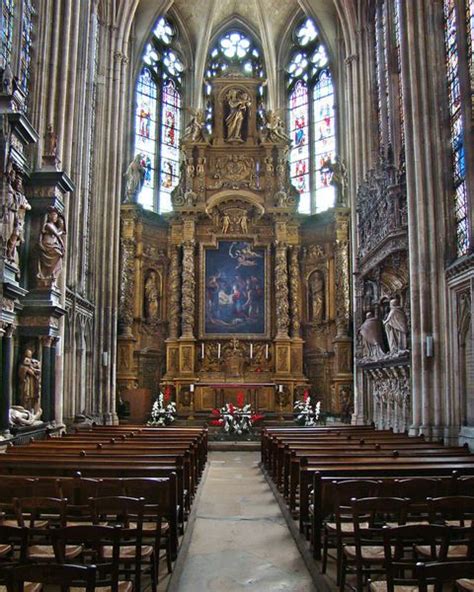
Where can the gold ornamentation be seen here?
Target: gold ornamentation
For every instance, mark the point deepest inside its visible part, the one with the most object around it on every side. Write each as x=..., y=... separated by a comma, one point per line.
x=295, y=292
x=188, y=290
x=174, y=296
x=281, y=290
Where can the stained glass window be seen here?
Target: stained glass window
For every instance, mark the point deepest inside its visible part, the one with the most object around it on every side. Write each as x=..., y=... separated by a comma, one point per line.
x=470, y=37
x=6, y=28
x=26, y=42
x=158, y=117
x=456, y=128
x=311, y=119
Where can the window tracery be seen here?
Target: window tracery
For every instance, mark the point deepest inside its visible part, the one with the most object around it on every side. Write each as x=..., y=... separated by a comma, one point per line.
x=311, y=120
x=158, y=117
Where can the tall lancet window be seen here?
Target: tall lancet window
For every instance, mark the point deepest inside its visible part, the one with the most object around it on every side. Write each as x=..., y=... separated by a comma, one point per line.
x=233, y=52
x=311, y=120
x=158, y=117
x=6, y=28
x=458, y=59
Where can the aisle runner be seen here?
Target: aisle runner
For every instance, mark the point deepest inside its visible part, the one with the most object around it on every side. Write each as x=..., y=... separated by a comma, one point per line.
x=240, y=540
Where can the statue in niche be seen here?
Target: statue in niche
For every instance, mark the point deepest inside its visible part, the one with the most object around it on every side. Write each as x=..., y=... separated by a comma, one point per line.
x=371, y=332
x=16, y=208
x=19, y=416
x=316, y=288
x=243, y=223
x=339, y=181
x=239, y=105
x=396, y=327
x=51, y=248
x=225, y=223
x=195, y=129
x=29, y=380
x=135, y=177
x=152, y=297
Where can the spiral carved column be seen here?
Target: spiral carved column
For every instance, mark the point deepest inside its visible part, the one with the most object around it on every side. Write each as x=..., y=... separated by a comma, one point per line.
x=174, y=294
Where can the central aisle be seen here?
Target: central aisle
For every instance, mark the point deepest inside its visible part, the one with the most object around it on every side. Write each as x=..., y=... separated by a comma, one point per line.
x=240, y=540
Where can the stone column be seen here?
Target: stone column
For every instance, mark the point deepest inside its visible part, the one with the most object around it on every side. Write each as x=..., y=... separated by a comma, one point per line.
x=47, y=394
x=6, y=390
x=342, y=272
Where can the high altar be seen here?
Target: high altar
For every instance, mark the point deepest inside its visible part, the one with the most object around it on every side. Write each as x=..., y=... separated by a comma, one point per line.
x=235, y=291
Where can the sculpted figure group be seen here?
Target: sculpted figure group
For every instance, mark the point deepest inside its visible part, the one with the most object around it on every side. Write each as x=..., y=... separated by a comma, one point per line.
x=394, y=327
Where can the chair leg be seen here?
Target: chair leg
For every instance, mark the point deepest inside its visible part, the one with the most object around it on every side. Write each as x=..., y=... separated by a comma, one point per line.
x=325, y=553
x=168, y=555
x=154, y=573
x=342, y=577
x=339, y=555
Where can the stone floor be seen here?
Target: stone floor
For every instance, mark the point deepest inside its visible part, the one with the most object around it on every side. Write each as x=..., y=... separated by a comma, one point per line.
x=239, y=539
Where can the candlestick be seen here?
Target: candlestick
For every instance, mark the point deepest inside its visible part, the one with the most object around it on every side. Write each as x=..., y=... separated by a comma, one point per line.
x=266, y=351
x=191, y=388
x=218, y=350
x=280, y=388
x=251, y=350
x=202, y=351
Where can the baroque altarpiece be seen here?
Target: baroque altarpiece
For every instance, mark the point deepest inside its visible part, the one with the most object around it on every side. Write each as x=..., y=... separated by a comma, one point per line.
x=234, y=290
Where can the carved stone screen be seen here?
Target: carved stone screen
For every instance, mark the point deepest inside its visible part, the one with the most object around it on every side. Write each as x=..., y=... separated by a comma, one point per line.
x=234, y=299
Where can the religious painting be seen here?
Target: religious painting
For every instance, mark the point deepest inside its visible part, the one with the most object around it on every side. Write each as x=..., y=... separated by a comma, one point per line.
x=234, y=289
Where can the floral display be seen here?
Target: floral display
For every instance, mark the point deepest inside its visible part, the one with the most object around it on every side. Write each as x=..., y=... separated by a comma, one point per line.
x=163, y=411
x=307, y=410
x=238, y=419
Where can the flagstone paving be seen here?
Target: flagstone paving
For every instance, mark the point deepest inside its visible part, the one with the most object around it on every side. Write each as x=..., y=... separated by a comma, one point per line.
x=240, y=540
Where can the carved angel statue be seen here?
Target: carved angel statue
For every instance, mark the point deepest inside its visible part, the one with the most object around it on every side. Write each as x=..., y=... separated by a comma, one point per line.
x=371, y=332
x=135, y=177
x=339, y=180
x=275, y=128
x=195, y=129
x=396, y=327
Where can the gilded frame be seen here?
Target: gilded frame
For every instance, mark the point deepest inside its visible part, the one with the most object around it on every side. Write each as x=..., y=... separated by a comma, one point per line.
x=216, y=245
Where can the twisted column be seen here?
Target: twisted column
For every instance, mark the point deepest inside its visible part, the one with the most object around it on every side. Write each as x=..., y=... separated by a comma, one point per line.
x=188, y=290
x=174, y=294
x=281, y=287
x=295, y=291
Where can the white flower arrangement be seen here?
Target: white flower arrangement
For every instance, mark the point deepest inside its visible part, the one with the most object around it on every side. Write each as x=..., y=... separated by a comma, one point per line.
x=162, y=415
x=235, y=420
x=307, y=412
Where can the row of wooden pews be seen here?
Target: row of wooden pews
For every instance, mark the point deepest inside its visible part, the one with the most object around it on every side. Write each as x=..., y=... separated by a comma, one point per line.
x=112, y=457
x=307, y=463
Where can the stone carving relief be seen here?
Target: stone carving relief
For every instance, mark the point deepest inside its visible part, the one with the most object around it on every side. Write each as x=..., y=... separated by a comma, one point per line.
x=281, y=290
x=391, y=392
x=295, y=291
x=235, y=171
x=51, y=249
x=127, y=284
x=174, y=294
x=188, y=290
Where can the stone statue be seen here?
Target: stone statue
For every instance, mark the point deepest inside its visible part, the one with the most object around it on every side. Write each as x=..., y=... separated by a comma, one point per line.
x=135, y=177
x=19, y=416
x=339, y=181
x=316, y=287
x=195, y=129
x=239, y=104
x=243, y=222
x=275, y=128
x=51, y=142
x=371, y=332
x=16, y=207
x=7, y=80
x=51, y=248
x=396, y=327
x=152, y=297
x=225, y=223
x=29, y=381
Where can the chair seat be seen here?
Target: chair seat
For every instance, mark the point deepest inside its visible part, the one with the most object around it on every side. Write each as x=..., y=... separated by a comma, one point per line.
x=347, y=527
x=454, y=551
x=151, y=527
x=14, y=522
x=4, y=549
x=122, y=587
x=369, y=554
x=381, y=586
x=127, y=552
x=46, y=552
x=84, y=523
x=465, y=585
x=27, y=587
x=407, y=523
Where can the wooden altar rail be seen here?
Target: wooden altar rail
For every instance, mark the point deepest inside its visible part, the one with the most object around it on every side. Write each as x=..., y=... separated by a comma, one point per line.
x=297, y=457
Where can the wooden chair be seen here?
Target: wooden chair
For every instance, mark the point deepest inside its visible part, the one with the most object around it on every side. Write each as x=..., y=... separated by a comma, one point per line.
x=453, y=510
x=417, y=490
x=341, y=529
x=434, y=575
x=79, y=577
x=366, y=556
x=9, y=488
x=94, y=539
x=41, y=514
x=156, y=524
x=127, y=512
x=400, y=557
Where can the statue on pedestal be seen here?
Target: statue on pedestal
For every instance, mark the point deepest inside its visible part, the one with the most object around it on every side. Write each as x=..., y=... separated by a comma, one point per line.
x=396, y=327
x=51, y=248
x=29, y=381
x=135, y=177
x=239, y=103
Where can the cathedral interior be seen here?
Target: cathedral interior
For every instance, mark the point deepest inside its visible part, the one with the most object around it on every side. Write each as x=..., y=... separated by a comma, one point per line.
x=237, y=196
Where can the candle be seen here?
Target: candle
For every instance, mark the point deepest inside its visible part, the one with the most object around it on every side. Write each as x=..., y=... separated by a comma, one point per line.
x=280, y=388
x=266, y=351
x=202, y=351
x=251, y=350
x=218, y=350
x=191, y=388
